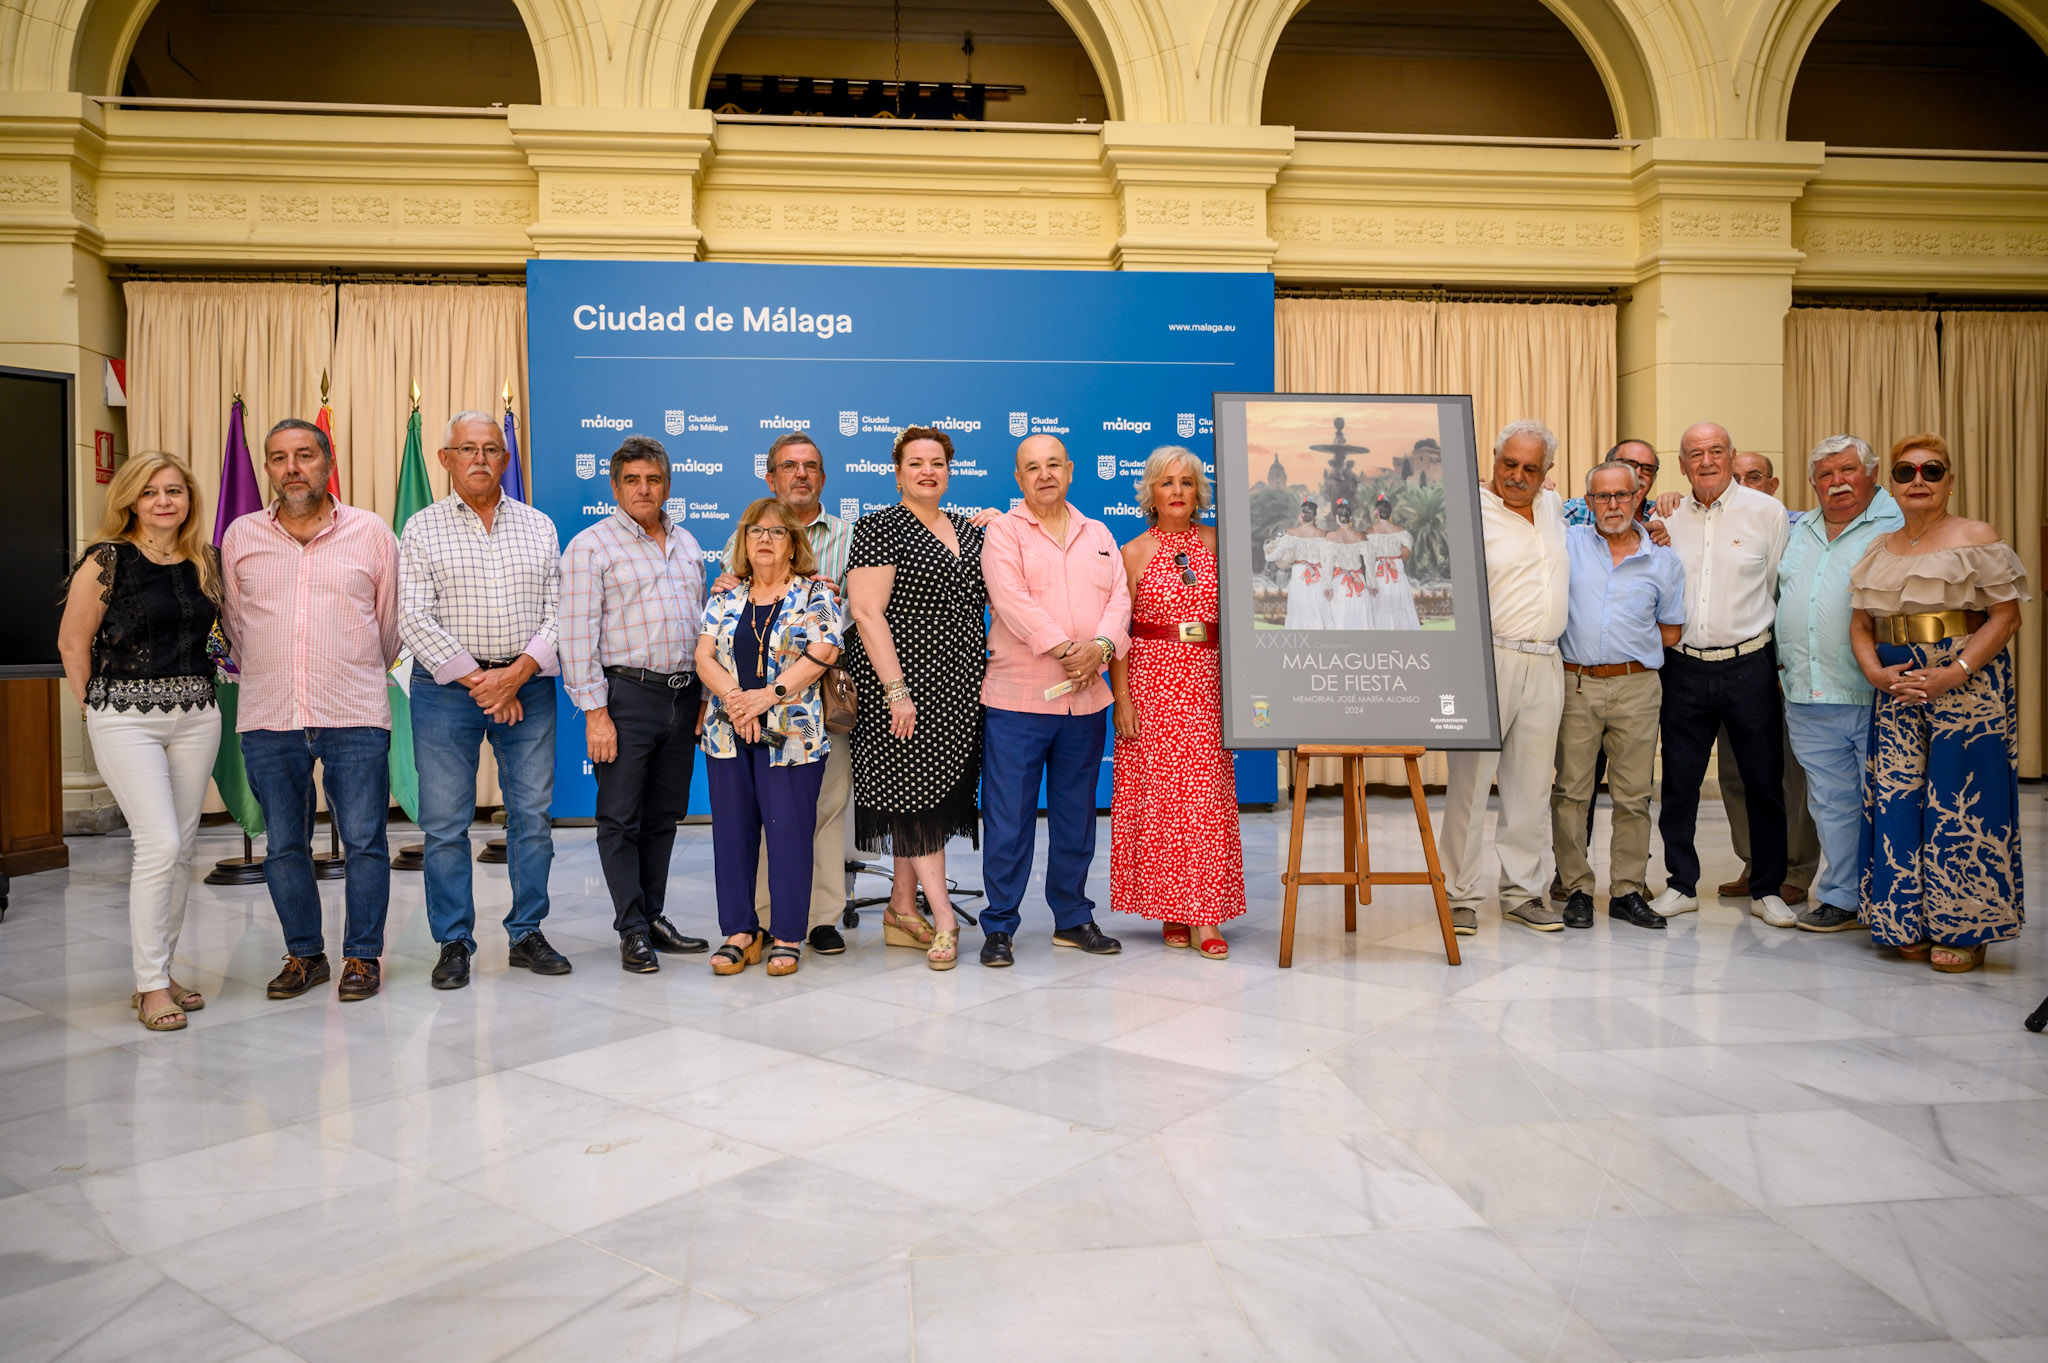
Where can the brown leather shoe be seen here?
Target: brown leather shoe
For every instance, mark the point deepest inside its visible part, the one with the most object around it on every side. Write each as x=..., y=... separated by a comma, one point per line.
x=300, y=973
x=1792, y=894
x=1737, y=888
x=359, y=979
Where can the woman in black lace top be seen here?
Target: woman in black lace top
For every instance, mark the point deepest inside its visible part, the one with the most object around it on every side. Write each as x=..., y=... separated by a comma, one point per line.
x=141, y=605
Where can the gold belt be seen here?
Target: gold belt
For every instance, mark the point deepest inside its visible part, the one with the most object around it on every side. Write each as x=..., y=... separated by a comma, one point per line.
x=1930, y=627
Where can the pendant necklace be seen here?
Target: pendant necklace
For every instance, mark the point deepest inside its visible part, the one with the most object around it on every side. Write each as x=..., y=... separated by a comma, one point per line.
x=1912, y=540
x=758, y=620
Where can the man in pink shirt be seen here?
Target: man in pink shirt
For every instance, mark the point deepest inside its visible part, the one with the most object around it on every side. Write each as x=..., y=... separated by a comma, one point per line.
x=311, y=611
x=1062, y=609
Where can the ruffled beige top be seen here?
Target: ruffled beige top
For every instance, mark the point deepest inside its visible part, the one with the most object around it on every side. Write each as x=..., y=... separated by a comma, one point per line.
x=1973, y=577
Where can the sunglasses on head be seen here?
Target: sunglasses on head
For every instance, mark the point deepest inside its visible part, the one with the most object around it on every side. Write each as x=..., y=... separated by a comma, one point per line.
x=1930, y=473
x=1187, y=574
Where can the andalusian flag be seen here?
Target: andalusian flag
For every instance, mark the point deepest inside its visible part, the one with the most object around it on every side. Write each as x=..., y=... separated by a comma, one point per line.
x=413, y=494
x=238, y=497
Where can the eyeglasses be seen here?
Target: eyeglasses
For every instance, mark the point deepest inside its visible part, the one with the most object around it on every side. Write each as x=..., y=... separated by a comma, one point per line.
x=1610, y=498
x=472, y=451
x=1187, y=574
x=799, y=466
x=767, y=532
x=1930, y=473
x=1647, y=470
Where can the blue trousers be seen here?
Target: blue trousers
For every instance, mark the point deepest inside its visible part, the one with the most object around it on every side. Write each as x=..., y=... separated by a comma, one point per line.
x=358, y=781
x=1832, y=742
x=1019, y=749
x=751, y=796
x=448, y=728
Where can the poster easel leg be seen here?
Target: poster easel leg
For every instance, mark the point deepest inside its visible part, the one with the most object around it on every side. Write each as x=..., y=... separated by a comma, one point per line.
x=1436, y=870
x=1354, y=816
x=1291, y=877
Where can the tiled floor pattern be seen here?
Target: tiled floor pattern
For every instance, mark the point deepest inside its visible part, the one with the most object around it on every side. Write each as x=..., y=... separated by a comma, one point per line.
x=1722, y=1141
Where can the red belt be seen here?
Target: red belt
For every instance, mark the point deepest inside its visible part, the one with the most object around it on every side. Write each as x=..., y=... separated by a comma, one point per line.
x=1200, y=633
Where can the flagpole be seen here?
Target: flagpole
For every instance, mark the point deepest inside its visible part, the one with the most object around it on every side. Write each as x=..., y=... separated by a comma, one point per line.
x=238, y=496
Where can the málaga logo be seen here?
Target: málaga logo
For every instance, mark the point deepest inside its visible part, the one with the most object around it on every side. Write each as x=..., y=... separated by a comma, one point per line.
x=1447, y=703
x=849, y=508
x=673, y=422
x=1105, y=466
x=1020, y=423
x=849, y=423
x=760, y=466
x=586, y=466
x=1184, y=425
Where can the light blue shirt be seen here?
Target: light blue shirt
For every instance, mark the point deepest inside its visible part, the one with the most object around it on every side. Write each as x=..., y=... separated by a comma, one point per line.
x=1615, y=608
x=1815, y=663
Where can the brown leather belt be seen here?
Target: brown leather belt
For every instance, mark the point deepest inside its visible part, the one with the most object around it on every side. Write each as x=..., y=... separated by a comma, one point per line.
x=1930, y=627
x=1606, y=669
x=1201, y=633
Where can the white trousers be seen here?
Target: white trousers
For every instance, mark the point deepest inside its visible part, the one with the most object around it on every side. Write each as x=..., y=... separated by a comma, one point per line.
x=1531, y=689
x=157, y=764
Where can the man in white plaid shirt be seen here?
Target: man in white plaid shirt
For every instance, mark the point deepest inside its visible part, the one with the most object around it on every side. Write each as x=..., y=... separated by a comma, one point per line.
x=479, y=582
x=632, y=602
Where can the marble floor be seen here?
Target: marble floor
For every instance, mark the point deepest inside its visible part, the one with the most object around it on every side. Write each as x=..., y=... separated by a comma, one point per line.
x=1721, y=1141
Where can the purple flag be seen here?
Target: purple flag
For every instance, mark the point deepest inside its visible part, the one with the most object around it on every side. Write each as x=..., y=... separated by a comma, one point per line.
x=514, y=485
x=238, y=493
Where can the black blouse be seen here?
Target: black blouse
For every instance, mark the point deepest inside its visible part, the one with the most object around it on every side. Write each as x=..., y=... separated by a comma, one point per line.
x=150, y=651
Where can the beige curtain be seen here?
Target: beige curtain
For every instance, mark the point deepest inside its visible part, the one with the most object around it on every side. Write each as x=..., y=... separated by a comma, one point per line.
x=1554, y=362
x=1994, y=398
x=1857, y=372
x=459, y=342
x=192, y=347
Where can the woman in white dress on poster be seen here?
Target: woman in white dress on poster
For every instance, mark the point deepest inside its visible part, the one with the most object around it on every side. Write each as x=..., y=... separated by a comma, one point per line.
x=1308, y=582
x=1350, y=564
x=1389, y=546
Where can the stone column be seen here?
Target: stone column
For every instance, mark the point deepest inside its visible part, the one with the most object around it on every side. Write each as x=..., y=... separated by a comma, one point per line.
x=615, y=182
x=1193, y=196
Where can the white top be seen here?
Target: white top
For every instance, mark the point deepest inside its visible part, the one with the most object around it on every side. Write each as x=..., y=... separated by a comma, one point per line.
x=1730, y=550
x=1528, y=571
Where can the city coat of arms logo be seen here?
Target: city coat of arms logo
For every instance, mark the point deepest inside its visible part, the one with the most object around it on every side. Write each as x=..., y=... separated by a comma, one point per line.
x=849, y=508
x=1447, y=703
x=849, y=423
x=1020, y=423
x=673, y=422
x=1184, y=425
x=1105, y=466
x=586, y=466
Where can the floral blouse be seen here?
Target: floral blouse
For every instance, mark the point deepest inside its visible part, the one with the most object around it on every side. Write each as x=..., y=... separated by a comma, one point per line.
x=810, y=617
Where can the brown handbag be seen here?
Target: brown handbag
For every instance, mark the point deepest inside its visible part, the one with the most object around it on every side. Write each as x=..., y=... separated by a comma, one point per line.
x=841, y=703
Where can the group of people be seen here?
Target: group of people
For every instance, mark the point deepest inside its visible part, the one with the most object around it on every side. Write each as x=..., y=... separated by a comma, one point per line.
x=1345, y=578
x=932, y=671
x=1851, y=662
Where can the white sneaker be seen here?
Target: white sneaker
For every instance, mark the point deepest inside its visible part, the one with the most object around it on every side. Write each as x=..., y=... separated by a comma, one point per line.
x=1671, y=902
x=1774, y=911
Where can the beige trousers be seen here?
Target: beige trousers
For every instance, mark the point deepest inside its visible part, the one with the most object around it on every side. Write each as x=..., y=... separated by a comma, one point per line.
x=828, y=850
x=1802, y=839
x=1620, y=714
x=1531, y=691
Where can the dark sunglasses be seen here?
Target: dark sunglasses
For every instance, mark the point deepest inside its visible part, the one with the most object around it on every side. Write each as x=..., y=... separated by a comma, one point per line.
x=1930, y=473
x=1187, y=574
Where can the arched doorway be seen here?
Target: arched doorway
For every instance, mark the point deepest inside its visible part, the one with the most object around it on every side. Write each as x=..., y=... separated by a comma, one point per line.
x=456, y=52
x=1903, y=73
x=999, y=60
x=1480, y=67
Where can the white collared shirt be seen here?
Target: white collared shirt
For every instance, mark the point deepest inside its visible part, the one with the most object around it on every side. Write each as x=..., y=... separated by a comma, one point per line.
x=1730, y=550
x=1528, y=569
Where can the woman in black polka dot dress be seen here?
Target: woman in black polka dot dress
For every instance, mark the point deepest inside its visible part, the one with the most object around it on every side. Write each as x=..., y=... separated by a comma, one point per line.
x=916, y=656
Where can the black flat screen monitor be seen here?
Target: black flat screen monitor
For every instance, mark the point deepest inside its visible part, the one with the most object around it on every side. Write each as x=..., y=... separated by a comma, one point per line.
x=35, y=517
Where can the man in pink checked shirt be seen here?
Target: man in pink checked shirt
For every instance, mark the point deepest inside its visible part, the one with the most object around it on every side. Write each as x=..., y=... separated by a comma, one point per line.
x=311, y=611
x=1061, y=608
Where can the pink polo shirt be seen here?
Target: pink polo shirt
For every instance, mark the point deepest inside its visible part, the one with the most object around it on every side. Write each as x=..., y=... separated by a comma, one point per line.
x=1041, y=593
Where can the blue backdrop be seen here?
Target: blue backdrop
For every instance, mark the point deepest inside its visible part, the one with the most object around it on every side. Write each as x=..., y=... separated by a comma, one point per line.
x=715, y=360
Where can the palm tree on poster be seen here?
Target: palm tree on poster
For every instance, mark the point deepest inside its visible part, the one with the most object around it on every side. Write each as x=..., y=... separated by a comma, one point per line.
x=1419, y=510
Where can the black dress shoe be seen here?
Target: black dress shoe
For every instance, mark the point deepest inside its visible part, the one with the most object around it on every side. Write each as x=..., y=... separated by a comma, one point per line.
x=452, y=970
x=826, y=941
x=664, y=936
x=995, y=950
x=1633, y=908
x=532, y=952
x=636, y=954
x=1578, y=910
x=1089, y=938
x=300, y=973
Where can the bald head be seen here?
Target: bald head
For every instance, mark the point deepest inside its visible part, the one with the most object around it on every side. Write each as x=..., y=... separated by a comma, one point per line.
x=1043, y=473
x=1706, y=453
x=1038, y=447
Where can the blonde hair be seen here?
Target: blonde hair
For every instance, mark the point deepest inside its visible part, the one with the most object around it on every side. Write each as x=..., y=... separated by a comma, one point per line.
x=1158, y=465
x=117, y=522
x=802, y=562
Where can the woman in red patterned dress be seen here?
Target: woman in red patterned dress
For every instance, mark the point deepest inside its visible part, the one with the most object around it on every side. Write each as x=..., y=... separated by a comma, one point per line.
x=1174, y=851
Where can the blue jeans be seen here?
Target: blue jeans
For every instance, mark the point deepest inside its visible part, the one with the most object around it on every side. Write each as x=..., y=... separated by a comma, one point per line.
x=358, y=783
x=1832, y=742
x=448, y=728
x=1018, y=749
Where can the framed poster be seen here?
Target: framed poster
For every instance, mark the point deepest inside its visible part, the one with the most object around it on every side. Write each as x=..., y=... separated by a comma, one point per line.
x=1353, y=572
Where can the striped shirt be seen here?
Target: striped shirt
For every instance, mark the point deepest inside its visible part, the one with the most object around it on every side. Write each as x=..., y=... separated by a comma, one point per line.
x=831, y=538
x=628, y=602
x=466, y=593
x=314, y=625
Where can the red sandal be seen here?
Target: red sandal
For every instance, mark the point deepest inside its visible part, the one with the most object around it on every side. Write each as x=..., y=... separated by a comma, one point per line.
x=1216, y=949
x=1175, y=934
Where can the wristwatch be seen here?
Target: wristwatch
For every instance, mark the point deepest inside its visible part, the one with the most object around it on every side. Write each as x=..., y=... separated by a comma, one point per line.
x=781, y=691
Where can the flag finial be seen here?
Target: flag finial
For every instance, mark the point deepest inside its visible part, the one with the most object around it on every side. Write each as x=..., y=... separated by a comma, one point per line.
x=508, y=394
x=415, y=395
x=323, y=388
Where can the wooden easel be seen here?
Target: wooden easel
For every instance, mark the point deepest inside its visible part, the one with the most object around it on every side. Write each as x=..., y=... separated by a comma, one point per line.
x=1358, y=877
